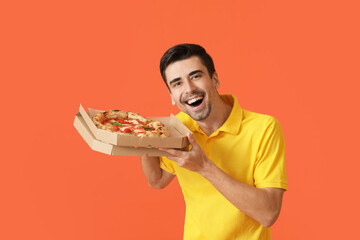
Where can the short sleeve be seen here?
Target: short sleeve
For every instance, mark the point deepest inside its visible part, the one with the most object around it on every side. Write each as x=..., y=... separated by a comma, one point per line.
x=167, y=165
x=270, y=168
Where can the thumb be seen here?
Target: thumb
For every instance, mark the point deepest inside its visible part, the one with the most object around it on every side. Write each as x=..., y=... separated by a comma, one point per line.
x=192, y=140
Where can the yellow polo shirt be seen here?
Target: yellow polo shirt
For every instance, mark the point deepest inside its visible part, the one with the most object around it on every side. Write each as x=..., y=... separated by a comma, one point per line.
x=249, y=147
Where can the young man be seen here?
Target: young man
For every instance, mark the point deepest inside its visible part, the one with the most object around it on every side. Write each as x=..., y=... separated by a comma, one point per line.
x=234, y=177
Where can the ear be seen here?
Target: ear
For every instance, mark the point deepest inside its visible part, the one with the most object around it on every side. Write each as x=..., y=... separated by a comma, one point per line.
x=216, y=79
x=172, y=100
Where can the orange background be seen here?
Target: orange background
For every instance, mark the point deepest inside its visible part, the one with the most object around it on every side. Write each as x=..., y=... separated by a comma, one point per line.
x=298, y=61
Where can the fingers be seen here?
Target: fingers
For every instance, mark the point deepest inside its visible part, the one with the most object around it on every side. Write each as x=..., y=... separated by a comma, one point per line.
x=176, y=153
x=178, y=160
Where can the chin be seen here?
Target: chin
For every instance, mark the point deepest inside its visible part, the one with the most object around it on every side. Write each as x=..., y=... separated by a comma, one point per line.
x=202, y=115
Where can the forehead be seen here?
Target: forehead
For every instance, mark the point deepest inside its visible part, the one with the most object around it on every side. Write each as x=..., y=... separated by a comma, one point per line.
x=182, y=68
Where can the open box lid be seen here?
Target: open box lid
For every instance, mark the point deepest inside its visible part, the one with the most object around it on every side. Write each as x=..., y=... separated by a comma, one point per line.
x=177, y=138
x=99, y=146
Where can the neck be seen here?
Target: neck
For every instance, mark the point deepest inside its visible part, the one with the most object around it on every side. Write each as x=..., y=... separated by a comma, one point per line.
x=220, y=111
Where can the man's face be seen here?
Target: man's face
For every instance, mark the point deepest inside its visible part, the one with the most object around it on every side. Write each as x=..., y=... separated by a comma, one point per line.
x=191, y=87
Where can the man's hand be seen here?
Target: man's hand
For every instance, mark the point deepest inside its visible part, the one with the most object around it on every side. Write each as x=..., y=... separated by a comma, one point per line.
x=194, y=160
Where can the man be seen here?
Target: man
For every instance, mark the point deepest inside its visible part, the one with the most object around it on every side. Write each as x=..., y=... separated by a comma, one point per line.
x=233, y=178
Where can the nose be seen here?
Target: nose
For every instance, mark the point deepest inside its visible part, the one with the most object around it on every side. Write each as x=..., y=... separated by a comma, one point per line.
x=189, y=86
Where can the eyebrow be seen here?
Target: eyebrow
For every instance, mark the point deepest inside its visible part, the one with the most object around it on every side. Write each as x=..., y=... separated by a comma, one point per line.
x=190, y=74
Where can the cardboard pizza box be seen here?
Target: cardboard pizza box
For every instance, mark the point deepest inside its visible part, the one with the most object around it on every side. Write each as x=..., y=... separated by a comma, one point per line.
x=99, y=146
x=177, y=138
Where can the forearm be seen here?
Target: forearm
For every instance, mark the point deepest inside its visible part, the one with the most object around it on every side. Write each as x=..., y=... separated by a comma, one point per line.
x=263, y=205
x=155, y=176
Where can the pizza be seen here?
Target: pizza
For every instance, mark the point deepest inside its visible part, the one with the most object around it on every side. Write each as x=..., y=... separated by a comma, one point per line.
x=129, y=123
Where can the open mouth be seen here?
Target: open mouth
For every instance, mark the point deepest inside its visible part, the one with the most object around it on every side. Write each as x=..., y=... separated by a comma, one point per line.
x=194, y=102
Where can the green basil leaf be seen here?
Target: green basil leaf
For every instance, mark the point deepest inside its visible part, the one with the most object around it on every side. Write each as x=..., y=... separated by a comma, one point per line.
x=146, y=128
x=116, y=123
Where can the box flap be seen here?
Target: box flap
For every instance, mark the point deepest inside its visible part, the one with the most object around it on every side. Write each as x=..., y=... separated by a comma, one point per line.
x=179, y=125
x=88, y=121
x=81, y=128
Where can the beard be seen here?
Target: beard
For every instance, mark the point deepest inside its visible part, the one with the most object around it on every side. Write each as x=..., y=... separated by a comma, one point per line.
x=200, y=115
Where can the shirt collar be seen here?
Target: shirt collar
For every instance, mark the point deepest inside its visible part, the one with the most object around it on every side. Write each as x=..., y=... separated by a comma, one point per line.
x=232, y=124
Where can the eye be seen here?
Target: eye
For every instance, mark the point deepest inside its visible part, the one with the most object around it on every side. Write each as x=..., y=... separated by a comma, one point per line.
x=196, y=76
x=176, y=84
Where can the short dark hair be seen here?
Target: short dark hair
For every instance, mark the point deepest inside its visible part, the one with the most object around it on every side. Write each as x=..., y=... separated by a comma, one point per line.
x=184, y=51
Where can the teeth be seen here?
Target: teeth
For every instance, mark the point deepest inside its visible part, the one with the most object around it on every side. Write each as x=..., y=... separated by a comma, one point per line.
x=194, y=100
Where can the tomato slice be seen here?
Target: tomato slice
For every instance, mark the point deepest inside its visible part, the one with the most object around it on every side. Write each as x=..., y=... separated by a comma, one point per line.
x=127, y=130
x=121, y=120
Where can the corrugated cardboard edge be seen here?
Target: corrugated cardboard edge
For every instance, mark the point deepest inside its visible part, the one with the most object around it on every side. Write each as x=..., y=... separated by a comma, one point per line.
x=88, y=121
x=181, y=128
x=84, y=131
x=98, y=133
x=96, y=145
